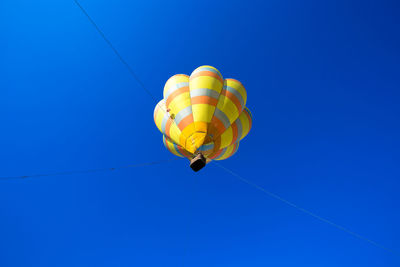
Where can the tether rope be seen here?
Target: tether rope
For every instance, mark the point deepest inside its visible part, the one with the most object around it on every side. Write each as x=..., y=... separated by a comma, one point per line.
x=129, y=68
x=124, y=62
x=312, y=214
x=87, y=171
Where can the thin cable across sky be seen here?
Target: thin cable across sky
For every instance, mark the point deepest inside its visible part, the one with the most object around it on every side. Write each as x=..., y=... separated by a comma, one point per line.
x=287, y=202
x=87, y=171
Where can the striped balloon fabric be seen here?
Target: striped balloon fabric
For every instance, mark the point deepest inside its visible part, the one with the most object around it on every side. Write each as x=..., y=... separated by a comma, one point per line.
x=203, y=114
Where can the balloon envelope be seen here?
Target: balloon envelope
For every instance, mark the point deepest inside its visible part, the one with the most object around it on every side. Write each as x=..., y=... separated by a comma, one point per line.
x=203, y=113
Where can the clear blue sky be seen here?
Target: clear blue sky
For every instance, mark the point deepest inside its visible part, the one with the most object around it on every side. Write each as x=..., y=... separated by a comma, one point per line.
x=323, y=85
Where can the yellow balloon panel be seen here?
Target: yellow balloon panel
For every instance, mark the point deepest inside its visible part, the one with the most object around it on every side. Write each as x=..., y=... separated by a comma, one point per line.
x=205, y=85
x=231, y=103
x=165, y=124
x=238, y=130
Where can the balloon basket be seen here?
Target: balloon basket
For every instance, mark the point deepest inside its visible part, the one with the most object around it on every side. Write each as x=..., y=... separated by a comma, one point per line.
x=197, y=162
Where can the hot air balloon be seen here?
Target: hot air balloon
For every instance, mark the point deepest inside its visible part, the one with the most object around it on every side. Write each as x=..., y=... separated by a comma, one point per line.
x=203, y=116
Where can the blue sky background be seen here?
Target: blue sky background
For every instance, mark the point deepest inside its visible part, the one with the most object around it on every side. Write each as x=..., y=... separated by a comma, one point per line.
x=323, y=86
